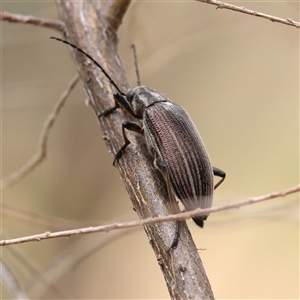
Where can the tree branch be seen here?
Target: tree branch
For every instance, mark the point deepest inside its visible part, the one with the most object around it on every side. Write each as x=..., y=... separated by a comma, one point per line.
x=89, y=27
x=48, y=23
x=133, y=224
x=241, y=9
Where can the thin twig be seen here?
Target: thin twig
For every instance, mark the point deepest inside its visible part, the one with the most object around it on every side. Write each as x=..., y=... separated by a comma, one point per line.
x=219, y=4
x=48, y=23
x=41, y=153
x=181, y=216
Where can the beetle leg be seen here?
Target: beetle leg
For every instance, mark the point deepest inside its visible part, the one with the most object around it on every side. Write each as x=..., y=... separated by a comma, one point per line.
x=129, y=126
x=176, y=236
x=161, y=165
x=121, y=100
x=219, y=173
x=110, y=110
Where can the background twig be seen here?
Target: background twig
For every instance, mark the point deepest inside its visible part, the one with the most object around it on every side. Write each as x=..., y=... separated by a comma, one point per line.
x=241, y=9
x=132, y=224
x=8, y=278
x=43, y=22
x=44, y=136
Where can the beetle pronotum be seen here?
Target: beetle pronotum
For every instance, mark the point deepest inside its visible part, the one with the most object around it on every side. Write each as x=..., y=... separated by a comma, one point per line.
x=173, y=141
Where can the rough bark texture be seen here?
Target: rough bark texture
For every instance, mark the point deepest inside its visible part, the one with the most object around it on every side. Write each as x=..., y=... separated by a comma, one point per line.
x=93, y=27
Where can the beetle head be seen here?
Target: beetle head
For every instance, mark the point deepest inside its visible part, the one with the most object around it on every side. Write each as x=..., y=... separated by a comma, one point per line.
x=142, y=97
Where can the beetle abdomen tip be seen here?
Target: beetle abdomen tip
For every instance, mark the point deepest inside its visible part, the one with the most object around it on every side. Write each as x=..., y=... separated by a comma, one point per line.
x=200, y=220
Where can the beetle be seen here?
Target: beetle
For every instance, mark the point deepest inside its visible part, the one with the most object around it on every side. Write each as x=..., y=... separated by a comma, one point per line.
x=172, y=140
x=174, y=143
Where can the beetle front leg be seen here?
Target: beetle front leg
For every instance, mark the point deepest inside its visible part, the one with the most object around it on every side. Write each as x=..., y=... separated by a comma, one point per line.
x=219, y=173
x=120, y=101
x=111, y=110
x=123, y=101
x=132, y=127
x=108, y=111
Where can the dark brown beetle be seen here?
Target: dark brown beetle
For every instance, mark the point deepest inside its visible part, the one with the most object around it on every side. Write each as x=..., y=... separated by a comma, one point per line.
x=175, y=144
x=173, y=141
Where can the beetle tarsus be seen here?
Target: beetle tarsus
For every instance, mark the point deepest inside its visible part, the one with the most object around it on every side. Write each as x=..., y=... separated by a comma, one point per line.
x=218, y=172
x=176, y=237
x=120, y=152
x=108, y=112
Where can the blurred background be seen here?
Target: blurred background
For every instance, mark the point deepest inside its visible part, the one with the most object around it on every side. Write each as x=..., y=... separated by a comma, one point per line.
x=237, y=76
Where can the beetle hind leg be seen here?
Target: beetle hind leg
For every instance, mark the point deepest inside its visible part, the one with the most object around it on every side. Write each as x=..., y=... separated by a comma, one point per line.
x=219, y=173
x=161, y=166
x=176, y=236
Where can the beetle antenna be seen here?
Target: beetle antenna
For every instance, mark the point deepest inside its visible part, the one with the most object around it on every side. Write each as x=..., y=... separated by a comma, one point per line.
x=136, y=65
x=94, y=61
